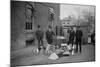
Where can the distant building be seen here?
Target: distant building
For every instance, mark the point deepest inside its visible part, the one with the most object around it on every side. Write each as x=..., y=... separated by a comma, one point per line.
x=83, y=24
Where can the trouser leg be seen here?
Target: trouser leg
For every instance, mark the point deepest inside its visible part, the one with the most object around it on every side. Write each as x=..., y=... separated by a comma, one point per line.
x=72, y=43
x=80, y=46
x=42, y=44
x=48, y=41
x=69, y=41
x=76, y=46
x=39, y=48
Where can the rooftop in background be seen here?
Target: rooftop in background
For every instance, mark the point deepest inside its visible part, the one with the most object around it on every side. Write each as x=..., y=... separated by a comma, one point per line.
x=75, y=10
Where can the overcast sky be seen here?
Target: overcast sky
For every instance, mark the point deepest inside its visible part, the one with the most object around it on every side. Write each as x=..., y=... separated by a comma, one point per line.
x=66, y=10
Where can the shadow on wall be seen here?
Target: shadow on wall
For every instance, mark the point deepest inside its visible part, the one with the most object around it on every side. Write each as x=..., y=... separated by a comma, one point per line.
x=17, y=24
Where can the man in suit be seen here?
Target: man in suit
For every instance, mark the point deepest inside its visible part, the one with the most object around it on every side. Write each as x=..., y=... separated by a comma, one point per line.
x=49, y=35
x=71, y=36
x=39, y=36
x=78, y=35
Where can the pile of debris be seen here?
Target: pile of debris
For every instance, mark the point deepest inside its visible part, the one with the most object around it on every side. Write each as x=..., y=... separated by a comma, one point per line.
x=65, y=50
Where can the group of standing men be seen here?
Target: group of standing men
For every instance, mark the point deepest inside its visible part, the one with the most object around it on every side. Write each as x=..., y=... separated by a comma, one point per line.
x=40, y=34
x=73, y=36
x=76, y=37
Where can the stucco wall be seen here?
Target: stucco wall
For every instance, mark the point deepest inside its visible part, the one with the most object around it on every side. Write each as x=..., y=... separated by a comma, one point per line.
x=18, y=21
x=17, y=24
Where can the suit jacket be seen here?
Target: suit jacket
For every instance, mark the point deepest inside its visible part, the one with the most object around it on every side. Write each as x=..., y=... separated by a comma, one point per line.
x=49, y=34
x=79, y=34
x=39, y=34
x=72, y=35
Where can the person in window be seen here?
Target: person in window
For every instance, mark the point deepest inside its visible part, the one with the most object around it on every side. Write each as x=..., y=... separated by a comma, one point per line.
x=39, y=36
x=49, y=35
x=78, y=35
